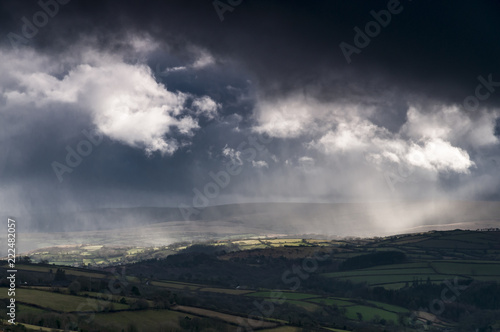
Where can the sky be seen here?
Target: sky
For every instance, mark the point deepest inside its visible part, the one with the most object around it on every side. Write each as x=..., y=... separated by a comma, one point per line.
x=195, y=103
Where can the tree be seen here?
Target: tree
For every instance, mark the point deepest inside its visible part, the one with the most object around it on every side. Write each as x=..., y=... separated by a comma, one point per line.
x=135, y=291
x=140, y=304
x=24, y=260
x=74, y=287
x=60, y=275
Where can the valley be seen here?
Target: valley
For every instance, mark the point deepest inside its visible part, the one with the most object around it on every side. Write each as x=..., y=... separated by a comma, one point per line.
x=437, y=280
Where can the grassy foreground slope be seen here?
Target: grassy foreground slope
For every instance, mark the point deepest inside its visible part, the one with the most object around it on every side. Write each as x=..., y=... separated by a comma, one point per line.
x=291, y=284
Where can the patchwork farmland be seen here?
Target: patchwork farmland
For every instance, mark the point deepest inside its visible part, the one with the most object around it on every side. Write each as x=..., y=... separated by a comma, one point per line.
x=309, y=284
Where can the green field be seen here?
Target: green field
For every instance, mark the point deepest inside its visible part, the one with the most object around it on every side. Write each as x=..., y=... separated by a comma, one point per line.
x=283, y=295
x=416, y=265
x=67, y=270
x=225, y=291
x=389, y=307
x=30, y=327
x=467, y=268
x=398, y=275
x=149, y=320
x=331, y=301
x=283, y=329
x=175, y=285
x=26, y=309
x=370, y=313
x=380, y=272
x=59, y=302
x=306, y=305
x=111, y=297
x=375, y=280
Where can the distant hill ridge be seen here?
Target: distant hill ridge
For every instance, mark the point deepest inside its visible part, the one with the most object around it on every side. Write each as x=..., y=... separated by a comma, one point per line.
x=351, y=218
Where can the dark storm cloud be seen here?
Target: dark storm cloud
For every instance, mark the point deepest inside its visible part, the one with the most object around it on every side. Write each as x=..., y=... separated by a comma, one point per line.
x=430, y=52
x=436, y=48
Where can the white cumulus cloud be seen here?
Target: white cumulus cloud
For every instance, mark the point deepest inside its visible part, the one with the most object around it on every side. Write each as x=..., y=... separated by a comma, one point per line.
x=260, y=164
x=434, y=140
x=124, y=100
